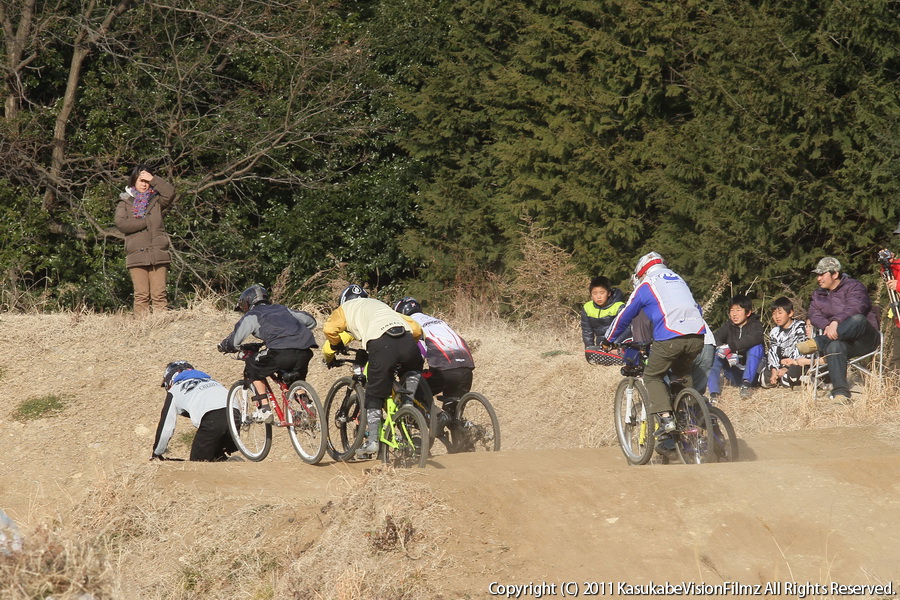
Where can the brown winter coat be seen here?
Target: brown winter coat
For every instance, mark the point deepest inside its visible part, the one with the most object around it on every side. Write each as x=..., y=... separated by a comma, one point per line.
x=146, y=241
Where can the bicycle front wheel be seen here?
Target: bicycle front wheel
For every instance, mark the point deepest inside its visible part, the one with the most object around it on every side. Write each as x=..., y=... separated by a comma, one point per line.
x=345, y=418
x=475, y=427
x=404, y=438
x=635, y=424
x=253, y=439
x=724, y=439
x=305, y=417
x=693, y=428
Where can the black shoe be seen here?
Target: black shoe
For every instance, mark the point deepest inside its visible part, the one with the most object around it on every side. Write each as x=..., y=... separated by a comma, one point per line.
x=665, y=444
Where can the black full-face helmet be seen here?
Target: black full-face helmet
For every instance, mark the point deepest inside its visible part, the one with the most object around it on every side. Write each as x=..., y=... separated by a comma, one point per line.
x=352, y=292
x=172, y=369
x=408, y=306
x=250, y=297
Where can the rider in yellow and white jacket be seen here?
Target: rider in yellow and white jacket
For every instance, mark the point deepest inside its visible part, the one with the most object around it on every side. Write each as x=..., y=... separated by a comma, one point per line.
x=388, y=337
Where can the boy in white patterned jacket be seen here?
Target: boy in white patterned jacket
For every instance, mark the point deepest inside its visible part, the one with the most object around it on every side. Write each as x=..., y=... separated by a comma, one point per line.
x=786, y=364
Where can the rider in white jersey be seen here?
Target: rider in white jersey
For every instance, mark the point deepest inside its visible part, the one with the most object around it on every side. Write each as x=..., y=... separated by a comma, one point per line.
x=450, y=361
x=678, y=329
x=196, y=395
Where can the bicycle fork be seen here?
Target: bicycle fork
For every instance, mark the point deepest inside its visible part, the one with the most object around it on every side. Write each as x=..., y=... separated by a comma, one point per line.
x=630, y=416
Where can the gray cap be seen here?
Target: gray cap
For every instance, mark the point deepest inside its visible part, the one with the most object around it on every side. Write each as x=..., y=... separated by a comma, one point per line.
x=827, y=265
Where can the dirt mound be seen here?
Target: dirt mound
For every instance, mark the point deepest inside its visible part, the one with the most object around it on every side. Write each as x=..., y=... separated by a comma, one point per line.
x=557, y=506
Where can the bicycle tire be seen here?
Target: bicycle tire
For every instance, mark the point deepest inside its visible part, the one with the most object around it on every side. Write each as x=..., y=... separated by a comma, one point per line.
x=405, y=445
x=693, y=427
x=253, y=440
x=345, y=418
x=724, y=438
x=476, y=427
x=306, y=419
x=635, y=424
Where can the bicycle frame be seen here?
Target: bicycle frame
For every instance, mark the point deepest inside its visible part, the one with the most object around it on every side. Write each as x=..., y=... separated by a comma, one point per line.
x=387, y=425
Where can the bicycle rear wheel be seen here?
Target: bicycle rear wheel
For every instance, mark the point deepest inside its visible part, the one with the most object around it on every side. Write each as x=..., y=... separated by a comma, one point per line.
x=345, y=419
x=405, y=444
x=635, y=424
x=475, y=428
x=693, y=441
x=253, y=439
x=305, y=417
x=724, y=439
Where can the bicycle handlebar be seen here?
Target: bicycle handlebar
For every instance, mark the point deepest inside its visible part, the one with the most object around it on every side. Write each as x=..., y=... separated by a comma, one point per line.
x=360, y=357
x=642, y=346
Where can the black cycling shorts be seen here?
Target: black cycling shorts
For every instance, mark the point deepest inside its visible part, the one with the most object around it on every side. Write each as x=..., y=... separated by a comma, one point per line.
x=263, y=364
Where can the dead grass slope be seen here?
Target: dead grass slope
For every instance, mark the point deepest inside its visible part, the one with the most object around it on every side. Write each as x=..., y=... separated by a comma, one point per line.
x=96, y=513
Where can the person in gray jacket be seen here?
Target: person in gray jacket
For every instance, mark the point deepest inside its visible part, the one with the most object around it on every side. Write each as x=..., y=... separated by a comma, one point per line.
x=139, y=216
x=288, y=338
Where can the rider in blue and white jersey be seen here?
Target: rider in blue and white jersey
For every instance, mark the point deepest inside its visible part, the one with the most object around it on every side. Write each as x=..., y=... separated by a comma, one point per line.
x=678, y=329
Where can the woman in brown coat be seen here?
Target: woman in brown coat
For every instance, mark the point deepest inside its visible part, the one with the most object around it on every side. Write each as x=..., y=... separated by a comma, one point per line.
x=139, y=217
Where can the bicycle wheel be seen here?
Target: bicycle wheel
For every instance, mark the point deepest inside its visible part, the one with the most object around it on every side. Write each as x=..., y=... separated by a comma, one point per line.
x=344, y=418
x=635, y=423
x=253, y=439
x=724, y=438
x=305, y=417
x=693, y=427
x=475, y=427
x=406, y=443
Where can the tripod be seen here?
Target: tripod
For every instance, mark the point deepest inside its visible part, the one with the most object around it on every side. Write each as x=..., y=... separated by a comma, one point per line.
x=885, y=259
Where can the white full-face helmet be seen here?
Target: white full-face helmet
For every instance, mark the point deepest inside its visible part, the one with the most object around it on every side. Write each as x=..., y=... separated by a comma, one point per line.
x=645, y=264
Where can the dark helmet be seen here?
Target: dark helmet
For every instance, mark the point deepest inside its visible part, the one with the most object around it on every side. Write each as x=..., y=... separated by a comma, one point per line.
x=351, y=292
x=252, y=296
x=408, y=306
x=172, y=369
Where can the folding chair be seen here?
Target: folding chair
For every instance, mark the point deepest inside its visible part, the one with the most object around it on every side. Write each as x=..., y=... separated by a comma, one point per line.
x=866, y=365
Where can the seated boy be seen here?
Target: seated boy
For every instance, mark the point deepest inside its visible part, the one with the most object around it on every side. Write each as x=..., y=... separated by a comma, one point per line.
x=785, y=362
x=740, y=338
x=596, y=316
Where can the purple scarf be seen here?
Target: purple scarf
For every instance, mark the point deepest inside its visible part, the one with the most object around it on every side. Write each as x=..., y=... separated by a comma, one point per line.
x=141, y=200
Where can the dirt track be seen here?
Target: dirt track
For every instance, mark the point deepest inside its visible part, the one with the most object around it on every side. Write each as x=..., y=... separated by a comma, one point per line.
x=815, y=506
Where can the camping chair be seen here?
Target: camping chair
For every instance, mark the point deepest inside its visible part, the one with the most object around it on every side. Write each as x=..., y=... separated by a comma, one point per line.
x=867, y=365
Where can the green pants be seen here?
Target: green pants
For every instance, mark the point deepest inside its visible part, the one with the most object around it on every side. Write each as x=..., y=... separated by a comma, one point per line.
x=675, y=357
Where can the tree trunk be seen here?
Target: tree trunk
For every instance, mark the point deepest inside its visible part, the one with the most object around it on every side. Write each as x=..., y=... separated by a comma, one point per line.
x=85, y=40
x=15, y=42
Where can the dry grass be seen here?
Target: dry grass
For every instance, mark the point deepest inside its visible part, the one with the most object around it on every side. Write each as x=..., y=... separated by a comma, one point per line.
x=380, y=541
x=545, y=393
x=56, y=563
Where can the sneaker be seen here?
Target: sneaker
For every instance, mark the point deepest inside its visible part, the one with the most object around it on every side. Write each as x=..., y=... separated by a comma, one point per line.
x=263, y=414
x=369, y=447
x=745, y=391
x=843, y=399
x=807, y=347
x=666, y=425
